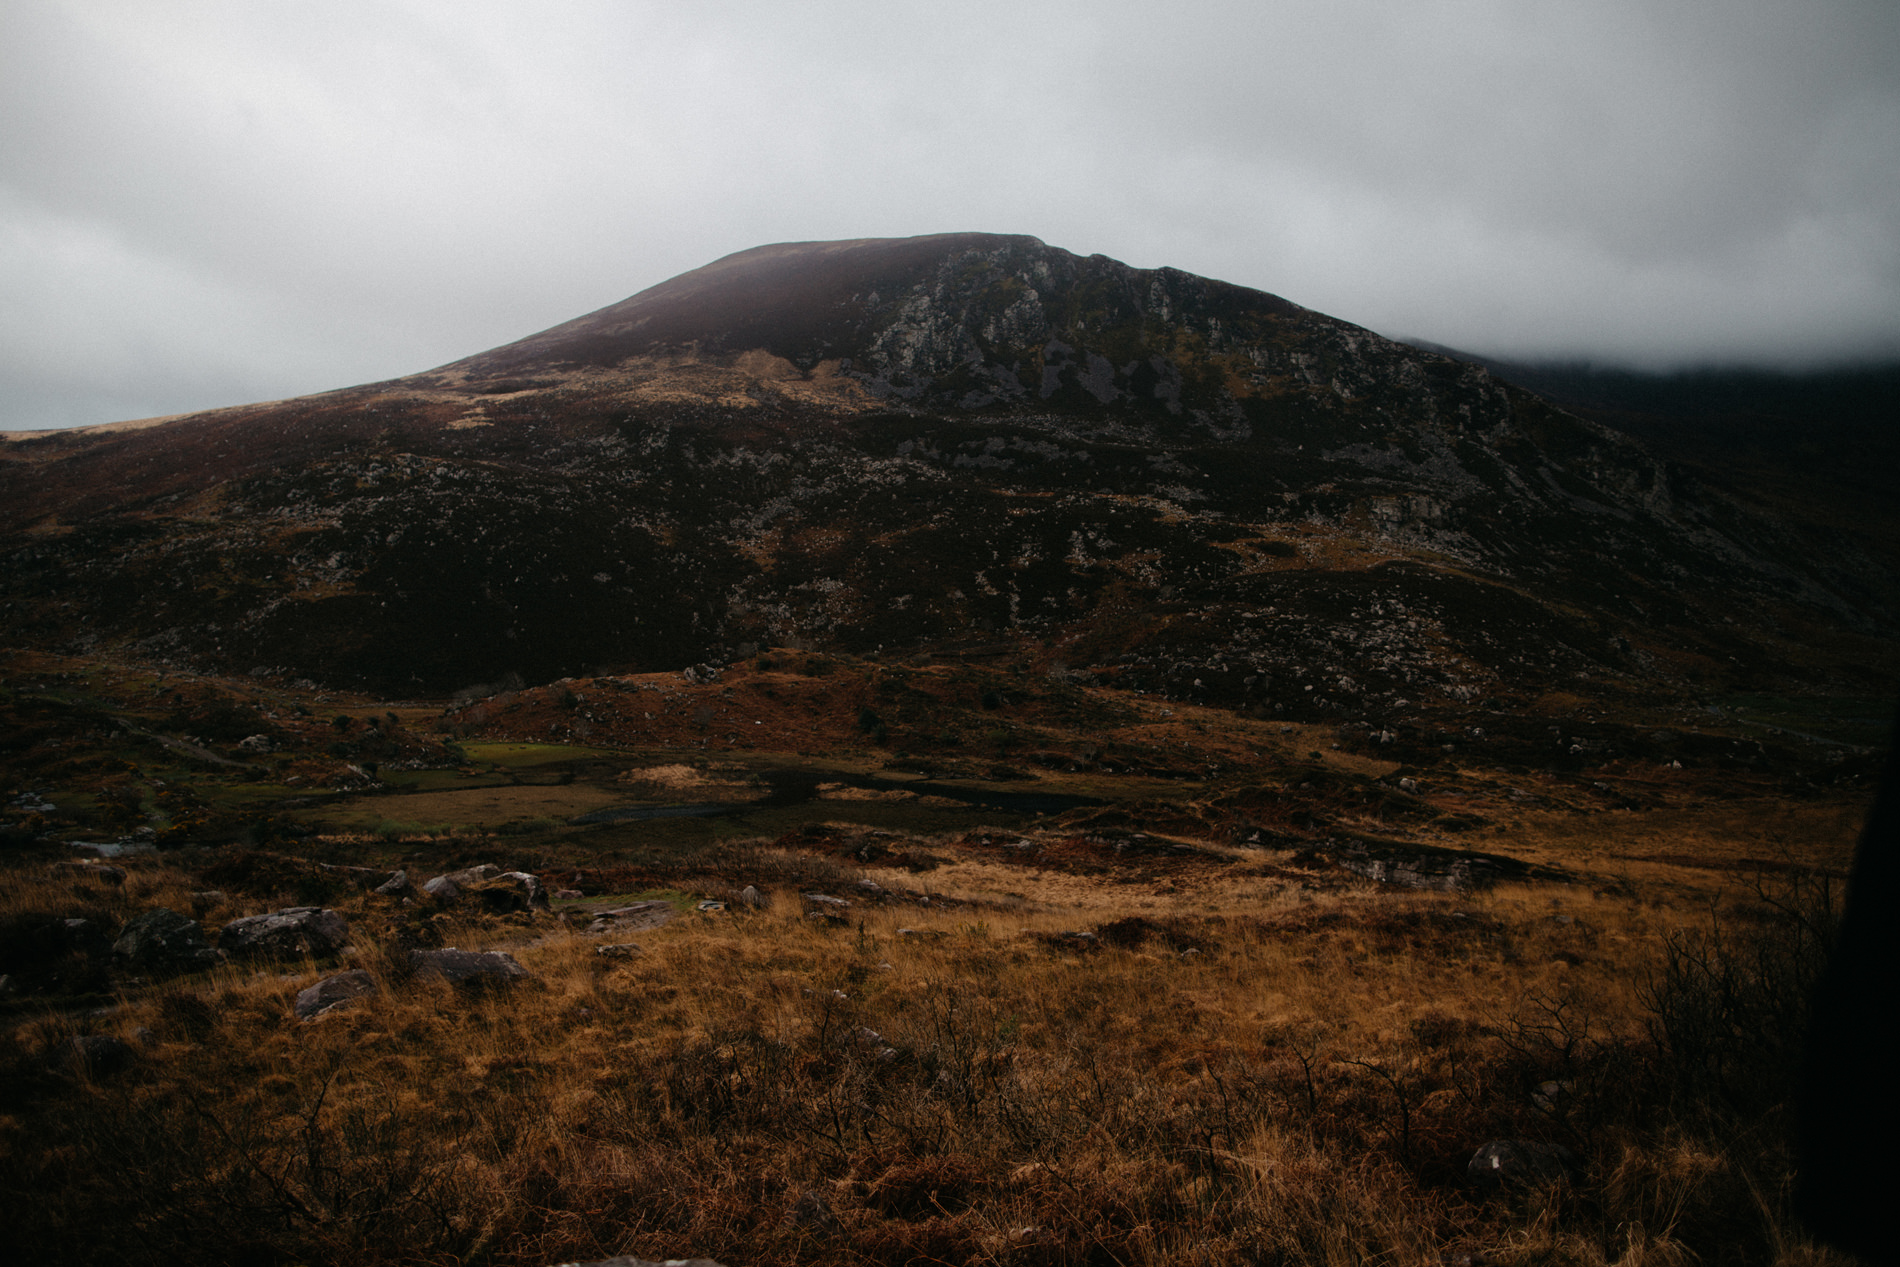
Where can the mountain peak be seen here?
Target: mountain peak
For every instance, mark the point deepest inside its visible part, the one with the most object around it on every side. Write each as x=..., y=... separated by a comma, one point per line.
x=952, y=319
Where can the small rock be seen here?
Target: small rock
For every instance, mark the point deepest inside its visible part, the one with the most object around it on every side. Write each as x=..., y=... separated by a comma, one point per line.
x=334, y=992
x=98, y=872
x=1554, y=1097
x=750, y=896
x=619, y=950
x=1520, y=1162
x=813, y=1213
x=396, y=885
x=99, y=1055
x=568, y=895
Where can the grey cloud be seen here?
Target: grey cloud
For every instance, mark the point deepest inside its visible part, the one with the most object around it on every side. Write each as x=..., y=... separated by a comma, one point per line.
x=224, y=202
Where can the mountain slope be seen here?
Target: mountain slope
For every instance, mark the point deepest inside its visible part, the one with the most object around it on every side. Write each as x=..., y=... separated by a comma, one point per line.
x=1170, y=482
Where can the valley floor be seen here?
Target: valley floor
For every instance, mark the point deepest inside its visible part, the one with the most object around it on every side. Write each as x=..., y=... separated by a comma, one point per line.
x=972, y=968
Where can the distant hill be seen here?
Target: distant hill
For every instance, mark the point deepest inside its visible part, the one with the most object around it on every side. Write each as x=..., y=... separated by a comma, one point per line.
x=957, y=444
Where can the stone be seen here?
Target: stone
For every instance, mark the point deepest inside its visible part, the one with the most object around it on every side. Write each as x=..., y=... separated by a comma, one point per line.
x=443, y=889
x=812, y=1213
x=750, y=896
x=619, y=950
x=99, y=1055
x=469, y=968
x=292, y=932
x=1520, y=1163
x=163, y=941
x=396, y=885
x=504, y=891
x=639, y=915
x=97, y=872
x=334, y=992
x=1554, y=1097
x=643, y=1262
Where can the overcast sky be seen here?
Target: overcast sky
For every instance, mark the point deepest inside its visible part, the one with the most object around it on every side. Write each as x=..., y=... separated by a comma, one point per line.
x=212, y=203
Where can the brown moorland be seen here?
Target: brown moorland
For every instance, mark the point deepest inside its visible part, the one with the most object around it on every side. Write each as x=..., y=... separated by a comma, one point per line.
x=1107, y=979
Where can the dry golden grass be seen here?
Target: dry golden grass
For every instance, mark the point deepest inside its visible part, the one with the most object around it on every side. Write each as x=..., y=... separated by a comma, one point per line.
x=1233, y=1068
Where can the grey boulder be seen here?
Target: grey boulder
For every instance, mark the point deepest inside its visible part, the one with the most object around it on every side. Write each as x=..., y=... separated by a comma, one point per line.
x=334, y=992
x=289, y=933
x=473, y=969
x=164, y=941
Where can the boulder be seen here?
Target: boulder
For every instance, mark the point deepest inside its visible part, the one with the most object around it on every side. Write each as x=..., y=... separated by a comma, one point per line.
x=508, y=891
x=289, y=933
x=98, y=1055
x=442, y=889
x=334, y=992
x=750, y=896
x=163, y=941
x=474, y=969
x=396, y=885
x=1520, y=1163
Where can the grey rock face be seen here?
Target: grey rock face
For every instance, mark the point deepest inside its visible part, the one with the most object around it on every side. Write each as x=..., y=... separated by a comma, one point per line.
x=473, y=969
x=1520, y=1162
x=288, y=933
x=164, y=941
x=334, y=992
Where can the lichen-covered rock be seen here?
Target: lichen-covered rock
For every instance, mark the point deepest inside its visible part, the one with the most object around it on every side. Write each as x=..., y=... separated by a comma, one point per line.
x=163, y=941
x=334, y=992
x=285, y=934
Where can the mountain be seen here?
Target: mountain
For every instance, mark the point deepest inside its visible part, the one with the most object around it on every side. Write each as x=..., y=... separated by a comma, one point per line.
x=966, y=444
